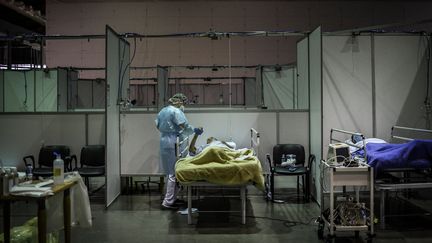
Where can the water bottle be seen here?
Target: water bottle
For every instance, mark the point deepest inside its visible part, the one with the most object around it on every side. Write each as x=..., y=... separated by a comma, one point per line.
x=285, y=161
x=293, y=159
x=58, y=170
x=29, y=172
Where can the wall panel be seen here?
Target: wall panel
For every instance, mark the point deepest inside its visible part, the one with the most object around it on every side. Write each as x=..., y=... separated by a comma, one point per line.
x=315, y=104
x=347, y=85
x=400, y=82
x=112, y=116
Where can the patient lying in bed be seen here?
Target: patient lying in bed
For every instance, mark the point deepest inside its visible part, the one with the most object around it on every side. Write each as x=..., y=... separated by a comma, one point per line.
x=416, y=154
x=211, y=142
x=222, y=166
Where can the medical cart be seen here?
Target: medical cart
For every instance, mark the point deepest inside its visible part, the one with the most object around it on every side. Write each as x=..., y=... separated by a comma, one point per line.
x=339, y=176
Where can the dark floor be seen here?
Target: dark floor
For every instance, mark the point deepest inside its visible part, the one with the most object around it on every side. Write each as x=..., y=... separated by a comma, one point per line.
x=138, y=218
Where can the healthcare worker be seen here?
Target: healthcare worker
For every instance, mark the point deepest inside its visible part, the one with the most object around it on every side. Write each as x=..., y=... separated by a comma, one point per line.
x=171, y=122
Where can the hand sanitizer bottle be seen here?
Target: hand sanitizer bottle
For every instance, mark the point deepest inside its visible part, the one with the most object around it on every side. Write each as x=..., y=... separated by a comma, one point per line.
x=58, y=170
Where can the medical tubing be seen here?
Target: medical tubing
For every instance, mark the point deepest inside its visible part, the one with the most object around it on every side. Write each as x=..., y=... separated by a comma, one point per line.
x=427, y=101
x=120, y=75
x=428, y=46
x=25, y=90
x=130, y=62
x=229, y=131
x=229, y=71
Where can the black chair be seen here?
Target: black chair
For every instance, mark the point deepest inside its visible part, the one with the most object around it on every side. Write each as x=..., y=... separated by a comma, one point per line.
x=92, y=162
x=299, y=169
x=46, y=159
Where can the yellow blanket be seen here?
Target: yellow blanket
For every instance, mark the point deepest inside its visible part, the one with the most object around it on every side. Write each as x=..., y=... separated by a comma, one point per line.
x=221, y=166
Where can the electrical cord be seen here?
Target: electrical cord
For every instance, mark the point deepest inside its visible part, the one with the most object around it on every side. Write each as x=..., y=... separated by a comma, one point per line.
x=120, y=74
x=427, y=101
x=25, y=90
x=286, y=223
x=124, y=72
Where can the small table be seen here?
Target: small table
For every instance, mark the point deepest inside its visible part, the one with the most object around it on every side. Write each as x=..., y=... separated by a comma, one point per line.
x=42, y=213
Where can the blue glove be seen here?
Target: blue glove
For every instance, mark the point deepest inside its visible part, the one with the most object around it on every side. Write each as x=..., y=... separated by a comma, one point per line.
x=198, y=131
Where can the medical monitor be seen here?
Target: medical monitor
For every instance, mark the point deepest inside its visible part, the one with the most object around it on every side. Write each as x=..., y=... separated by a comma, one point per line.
x=338, y=153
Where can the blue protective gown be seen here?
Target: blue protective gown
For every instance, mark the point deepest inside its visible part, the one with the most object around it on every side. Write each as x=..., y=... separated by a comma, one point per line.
x=168, y=123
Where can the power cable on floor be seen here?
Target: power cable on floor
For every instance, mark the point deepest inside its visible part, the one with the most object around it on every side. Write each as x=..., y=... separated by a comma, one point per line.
x=286, y=223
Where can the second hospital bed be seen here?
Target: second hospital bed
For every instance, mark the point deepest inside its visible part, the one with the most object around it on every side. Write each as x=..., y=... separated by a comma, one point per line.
x=399, y=166
x=216, y=167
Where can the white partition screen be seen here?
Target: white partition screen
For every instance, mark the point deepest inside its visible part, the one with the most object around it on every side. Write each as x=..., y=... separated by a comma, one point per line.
x=279, y=87
x=24, y=134
x=315, y=96
x=113, y=46
x=162, y=84
x=1, y=91
x=18, y=91
x=347, y=85
x=46, y=88
x=140, y=138
x=400, y=76
x=303, y=74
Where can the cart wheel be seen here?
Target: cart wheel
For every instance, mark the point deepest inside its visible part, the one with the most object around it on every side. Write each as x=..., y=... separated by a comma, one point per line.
x=320, y=234
x=320, y=230
x=357, y=234
x=331, y=239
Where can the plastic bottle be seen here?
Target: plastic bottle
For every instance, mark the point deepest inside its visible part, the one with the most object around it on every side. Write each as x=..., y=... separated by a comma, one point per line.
x=29, y=172
x=285, y=161
x=58, y=167
x=293, y=159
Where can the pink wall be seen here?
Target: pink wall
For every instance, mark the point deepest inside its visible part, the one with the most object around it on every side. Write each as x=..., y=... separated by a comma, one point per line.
x=163, y=17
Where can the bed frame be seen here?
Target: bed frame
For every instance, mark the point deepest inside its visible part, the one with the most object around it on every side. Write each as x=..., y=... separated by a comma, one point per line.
x=255, y=141
x=407, y=181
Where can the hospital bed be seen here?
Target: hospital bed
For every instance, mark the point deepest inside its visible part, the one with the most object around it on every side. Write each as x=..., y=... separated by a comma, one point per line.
x=402, y=178
x=396, y=169
x=192, y=178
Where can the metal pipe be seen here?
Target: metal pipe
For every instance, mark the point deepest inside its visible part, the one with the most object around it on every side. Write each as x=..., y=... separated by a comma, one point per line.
x=210, y=34
x=340, y=141
x=188, y=67
x=411, y=129
x=403, y=138
x=376, y=28
x=346, y=132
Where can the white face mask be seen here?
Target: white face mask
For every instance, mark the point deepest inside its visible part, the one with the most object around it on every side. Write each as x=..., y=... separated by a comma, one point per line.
x=182, y=108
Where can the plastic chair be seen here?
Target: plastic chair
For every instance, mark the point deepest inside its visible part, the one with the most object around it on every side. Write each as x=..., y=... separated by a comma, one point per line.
x=46, y=159
x=298, y=169
x=92, y=162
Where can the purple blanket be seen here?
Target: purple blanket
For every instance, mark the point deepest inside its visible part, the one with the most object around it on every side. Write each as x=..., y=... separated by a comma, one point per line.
x=414, y=154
